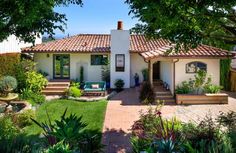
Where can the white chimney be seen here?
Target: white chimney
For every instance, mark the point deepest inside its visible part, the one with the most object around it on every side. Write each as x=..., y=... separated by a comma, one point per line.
x=120, y=56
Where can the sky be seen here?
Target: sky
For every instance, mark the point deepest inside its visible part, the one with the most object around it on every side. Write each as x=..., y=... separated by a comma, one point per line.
x=95, y=16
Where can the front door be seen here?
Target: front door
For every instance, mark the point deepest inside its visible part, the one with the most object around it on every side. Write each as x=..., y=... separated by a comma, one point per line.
x=156, y=71
x=61, y=66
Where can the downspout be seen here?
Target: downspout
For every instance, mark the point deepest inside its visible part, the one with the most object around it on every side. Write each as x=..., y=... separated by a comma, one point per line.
x=174, y=76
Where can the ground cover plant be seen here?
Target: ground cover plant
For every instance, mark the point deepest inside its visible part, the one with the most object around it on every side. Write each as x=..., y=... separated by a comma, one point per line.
x=152, y=133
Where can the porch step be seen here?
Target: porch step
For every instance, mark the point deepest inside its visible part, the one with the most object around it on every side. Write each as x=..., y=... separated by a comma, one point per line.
x=56, y=87
x=53, y=92
x=163, y=93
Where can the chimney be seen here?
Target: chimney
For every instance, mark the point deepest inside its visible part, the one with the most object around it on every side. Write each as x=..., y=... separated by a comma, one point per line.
x=119, y=25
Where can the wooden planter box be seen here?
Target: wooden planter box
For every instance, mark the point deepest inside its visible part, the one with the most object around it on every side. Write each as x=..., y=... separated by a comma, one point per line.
x=220, y=98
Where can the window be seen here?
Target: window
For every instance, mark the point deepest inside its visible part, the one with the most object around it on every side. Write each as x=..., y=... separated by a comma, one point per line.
x=120, y=62
x=193, y=67
x=99, y=59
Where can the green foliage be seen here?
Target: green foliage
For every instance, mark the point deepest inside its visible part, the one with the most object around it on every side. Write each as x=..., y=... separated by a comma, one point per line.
x=71, y=130
x=200, y=84
x=106, y=72
x=26, y=19
x=7, y=128
x=23, y=119
x=60, y=147
x=81, y=79
x=145, y=74
x=21, y=69
x=184, y=22
x=147, y=95
x=35, y=81
x=212, y=88
x=75, y=92
x=225, y=73
x=8, y=62
x=32, y=97
x=7, y=84
x=183, y=88
x=119, y=83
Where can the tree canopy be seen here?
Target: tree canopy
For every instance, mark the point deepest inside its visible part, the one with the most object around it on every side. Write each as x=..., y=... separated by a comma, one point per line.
x=187, y=22
x=27, y=19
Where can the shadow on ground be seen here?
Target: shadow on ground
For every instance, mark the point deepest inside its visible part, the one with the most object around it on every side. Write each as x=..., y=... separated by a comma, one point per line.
x=116, y=141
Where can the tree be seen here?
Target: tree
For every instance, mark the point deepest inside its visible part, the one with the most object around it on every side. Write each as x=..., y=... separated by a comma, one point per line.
x=187, y=22
x=29, y=18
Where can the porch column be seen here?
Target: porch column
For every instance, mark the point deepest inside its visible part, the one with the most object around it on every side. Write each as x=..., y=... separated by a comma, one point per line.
x=150, y=70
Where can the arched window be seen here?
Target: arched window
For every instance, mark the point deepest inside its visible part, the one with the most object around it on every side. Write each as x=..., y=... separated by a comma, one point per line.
x=193, y=67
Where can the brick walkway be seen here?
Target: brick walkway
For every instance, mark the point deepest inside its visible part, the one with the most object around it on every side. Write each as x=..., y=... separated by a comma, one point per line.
x=124, y=109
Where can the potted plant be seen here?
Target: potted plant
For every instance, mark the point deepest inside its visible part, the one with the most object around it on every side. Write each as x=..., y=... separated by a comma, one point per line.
x=119, y=84
x=145, y=74
x=136, y=79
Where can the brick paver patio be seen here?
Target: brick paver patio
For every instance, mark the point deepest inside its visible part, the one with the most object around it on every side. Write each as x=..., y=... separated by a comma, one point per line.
x=124, y=109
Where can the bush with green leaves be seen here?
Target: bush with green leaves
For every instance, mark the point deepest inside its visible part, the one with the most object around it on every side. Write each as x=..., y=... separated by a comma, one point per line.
x=119, y=84
x=35, y=81
x=212, y=88
x=183, y=88
x=75, y=92
x=23, y=119
x=145, y=74
x=7, y=128
x=32, y=97
x=7, y=84
x=147, y=94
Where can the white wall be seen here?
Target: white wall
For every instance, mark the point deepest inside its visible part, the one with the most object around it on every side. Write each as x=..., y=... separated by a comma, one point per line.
x=137, y=65
x=166, y=73
x=213, y=69
x=91, y=72
x=13, y=45
x=120, y=41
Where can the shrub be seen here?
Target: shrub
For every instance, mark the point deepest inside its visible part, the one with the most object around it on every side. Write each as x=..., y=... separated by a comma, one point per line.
x=145, y=74
x=147, y=94
x=212, y=88
x=75, y=92
x=7, y=84
x=7, y=128
x=119, y=83
x=32, y=97
x=24, y=119
x=8, y=63
x=21, y=69
x=184, y=88
x=35, y=81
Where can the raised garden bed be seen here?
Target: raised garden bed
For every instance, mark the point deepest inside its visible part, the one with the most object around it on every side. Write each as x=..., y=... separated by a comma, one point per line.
x=220, y=98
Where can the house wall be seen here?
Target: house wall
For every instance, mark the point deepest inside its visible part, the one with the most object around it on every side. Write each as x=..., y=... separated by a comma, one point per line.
x=166, y=73
x=213, y=69
x=137, y=65
x=13, y=45
x=91, y=72
x=120, y=41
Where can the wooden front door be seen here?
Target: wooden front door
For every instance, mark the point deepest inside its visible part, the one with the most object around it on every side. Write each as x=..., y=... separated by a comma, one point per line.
x=156, y=71
x=61, y=66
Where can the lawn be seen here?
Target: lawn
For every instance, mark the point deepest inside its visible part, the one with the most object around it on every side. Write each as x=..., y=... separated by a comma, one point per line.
x=93, y=113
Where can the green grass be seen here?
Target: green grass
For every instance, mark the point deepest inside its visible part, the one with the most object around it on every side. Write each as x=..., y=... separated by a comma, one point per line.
x=93, y=113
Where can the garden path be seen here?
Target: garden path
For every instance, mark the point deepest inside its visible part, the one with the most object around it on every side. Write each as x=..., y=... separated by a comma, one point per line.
x=124, y=108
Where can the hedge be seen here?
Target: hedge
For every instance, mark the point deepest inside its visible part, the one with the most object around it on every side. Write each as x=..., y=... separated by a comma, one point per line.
x=8, y=62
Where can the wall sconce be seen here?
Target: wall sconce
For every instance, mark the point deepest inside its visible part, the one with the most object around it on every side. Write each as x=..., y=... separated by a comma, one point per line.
x=48, y=55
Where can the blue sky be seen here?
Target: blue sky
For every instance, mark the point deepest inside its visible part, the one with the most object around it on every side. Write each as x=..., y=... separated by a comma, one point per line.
x=96, y=16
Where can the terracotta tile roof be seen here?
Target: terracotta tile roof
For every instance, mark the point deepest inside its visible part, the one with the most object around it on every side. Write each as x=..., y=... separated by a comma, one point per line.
x=148, y=48
x=77, y=43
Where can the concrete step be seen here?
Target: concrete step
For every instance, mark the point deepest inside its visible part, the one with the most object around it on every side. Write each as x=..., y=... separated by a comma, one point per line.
x=162, y=92
x=53, y=92
x=167, y=100
x=58, y=84
x=165, y=96
x=56, y=88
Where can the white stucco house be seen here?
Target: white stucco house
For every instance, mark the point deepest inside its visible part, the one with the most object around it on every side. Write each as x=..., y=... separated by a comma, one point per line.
x=13, y=44
x=128, y=54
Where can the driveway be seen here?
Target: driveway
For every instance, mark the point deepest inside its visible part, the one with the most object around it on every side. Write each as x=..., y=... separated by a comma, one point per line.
x=124, y=108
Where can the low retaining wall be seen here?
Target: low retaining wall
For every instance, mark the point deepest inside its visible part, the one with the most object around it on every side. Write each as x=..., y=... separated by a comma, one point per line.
x=220, y=98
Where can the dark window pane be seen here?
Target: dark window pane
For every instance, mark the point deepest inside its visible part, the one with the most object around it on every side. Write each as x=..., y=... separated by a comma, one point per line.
x=99, y=59
x=193, y=67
